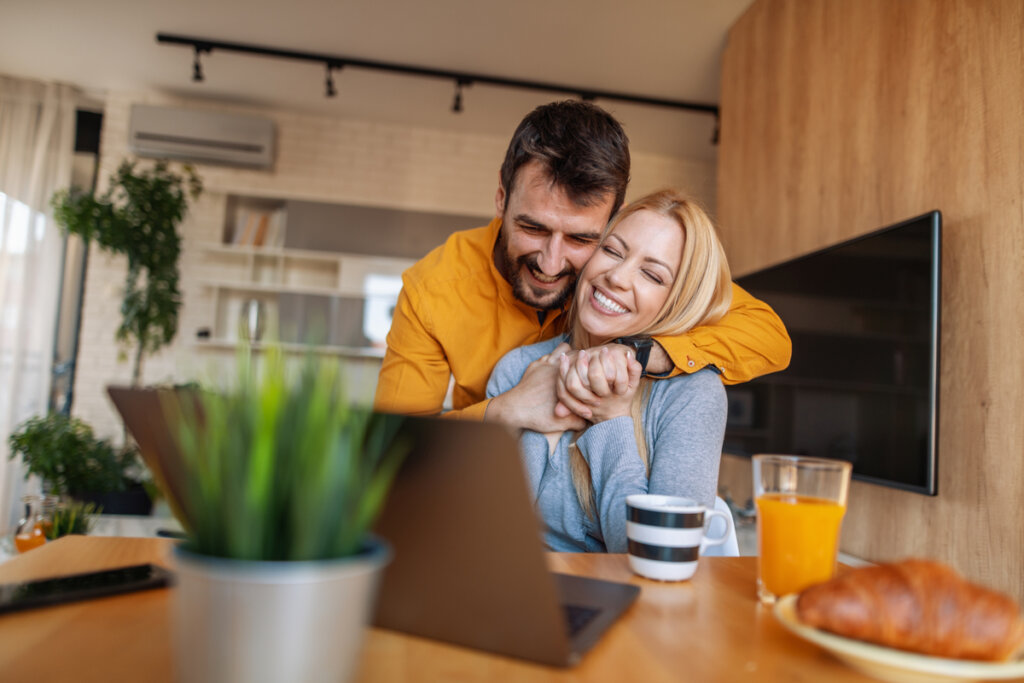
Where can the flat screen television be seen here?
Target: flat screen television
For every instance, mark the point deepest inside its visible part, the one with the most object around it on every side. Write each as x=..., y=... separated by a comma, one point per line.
x=863, y=382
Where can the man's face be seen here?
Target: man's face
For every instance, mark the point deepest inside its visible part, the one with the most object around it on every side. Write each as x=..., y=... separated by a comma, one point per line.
x=545, y=237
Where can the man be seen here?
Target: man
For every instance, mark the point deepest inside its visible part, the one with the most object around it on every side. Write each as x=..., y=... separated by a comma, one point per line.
x=487, y=291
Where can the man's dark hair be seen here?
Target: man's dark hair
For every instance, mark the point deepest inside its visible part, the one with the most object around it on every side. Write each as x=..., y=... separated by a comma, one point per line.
x=583, y=147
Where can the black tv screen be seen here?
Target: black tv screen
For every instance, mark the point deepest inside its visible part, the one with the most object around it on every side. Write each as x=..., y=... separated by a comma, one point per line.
x=862, y=385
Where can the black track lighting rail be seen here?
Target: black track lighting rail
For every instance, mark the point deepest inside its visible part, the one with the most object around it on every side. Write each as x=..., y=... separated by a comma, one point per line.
x=461, y=78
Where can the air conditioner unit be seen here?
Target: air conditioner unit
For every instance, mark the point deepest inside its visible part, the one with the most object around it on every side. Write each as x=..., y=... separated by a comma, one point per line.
x=201, y=136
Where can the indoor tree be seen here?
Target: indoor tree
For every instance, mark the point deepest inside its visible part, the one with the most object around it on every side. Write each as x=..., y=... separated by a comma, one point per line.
x=138, y=217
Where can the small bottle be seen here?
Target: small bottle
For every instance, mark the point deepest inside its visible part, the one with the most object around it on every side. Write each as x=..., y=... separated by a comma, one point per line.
x=31, y=531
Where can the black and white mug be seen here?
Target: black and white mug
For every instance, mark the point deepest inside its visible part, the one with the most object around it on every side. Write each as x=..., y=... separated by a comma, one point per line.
x=667, y=535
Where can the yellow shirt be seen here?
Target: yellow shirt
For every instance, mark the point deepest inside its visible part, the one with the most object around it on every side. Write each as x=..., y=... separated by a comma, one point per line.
x=456, y=317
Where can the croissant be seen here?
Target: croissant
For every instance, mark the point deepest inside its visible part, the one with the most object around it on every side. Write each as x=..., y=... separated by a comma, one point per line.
x=919, y=606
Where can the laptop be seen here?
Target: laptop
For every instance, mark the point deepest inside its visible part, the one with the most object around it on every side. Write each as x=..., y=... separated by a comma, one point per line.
x=469, y=566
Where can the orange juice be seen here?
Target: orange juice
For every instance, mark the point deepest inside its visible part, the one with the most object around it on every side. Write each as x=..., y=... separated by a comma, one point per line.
x=797, y=538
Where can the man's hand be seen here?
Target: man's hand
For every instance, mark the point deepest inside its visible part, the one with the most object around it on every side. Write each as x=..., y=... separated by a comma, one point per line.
x=598, y=384
x=531, y=403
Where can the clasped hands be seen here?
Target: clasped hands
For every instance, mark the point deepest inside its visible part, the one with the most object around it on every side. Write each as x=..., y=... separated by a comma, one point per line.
x=568, y=389
x=596, y=384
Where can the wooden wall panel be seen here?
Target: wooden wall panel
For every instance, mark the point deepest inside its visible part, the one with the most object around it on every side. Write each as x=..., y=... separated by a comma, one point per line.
x=842, y=116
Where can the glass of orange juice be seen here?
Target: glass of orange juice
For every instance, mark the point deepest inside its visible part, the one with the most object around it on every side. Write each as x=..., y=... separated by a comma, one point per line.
x=800, y=506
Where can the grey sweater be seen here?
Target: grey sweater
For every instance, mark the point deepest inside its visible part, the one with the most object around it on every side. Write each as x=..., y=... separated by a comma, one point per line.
x=684, y=423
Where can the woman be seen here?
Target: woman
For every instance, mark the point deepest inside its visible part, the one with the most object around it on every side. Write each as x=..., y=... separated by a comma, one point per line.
x=659, y=270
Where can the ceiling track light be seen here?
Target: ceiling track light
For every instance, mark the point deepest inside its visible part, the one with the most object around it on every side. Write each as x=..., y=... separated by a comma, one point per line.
x=461, y=78
x=329, y=90
x=197, y=66
x=457, y=102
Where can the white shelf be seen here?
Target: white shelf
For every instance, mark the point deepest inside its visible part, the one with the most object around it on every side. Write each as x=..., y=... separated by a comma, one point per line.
x=271, y=288
x=348, y=351
x=299, y=271
x=279, y=252
x=303, y=254
x=330, y=288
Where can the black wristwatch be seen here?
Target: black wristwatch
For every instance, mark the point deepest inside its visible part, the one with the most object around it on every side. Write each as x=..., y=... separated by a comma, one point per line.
x=642, y=347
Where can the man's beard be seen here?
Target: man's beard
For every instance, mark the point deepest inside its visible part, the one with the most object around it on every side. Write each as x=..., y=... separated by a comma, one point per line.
x=512, y=271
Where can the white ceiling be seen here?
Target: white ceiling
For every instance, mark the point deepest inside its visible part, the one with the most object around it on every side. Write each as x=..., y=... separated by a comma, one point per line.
x=658, y=48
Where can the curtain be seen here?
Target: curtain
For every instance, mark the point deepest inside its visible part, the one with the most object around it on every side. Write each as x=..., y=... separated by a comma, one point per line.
x=37, y=128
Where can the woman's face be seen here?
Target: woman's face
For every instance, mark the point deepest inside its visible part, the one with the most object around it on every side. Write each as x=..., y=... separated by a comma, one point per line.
x=627, y=280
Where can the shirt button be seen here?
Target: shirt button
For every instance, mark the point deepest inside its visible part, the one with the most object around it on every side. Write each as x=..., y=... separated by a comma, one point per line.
x=690, y=363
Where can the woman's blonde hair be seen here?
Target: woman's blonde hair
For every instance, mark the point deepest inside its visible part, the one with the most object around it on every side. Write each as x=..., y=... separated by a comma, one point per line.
x=700, y=294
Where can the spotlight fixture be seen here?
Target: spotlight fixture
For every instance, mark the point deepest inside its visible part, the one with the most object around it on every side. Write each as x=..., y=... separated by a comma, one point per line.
x=197, y=66
x=329, y=90
x=457, y=102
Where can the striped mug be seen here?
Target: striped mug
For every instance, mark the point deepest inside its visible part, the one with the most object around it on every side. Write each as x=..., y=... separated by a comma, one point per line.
x=667, y=534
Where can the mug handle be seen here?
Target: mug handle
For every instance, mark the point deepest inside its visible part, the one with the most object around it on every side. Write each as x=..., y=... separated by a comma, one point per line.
x=710, y=514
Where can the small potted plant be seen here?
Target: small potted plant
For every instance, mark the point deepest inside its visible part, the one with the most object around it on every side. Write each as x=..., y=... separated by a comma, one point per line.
x=73, y=463
x=74, y=517
x=282, y=481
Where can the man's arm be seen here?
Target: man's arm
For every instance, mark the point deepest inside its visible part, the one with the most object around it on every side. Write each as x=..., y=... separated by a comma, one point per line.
x=414, y=377
x=749, y=341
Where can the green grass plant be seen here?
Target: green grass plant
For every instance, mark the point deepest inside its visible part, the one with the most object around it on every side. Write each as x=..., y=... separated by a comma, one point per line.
x=281, y=466
x=73, y=517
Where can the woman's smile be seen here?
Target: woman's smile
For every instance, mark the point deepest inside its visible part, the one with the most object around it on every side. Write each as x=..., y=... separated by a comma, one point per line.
x=605, y=304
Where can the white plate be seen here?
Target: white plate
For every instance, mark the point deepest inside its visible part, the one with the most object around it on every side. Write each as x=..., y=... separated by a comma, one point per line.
x=889, y=664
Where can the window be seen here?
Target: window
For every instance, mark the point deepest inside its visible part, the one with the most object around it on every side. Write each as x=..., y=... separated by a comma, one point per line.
x=381, y=296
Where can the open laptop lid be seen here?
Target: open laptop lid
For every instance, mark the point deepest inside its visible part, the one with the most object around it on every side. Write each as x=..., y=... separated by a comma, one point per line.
x=469, y=565
x=143, y=414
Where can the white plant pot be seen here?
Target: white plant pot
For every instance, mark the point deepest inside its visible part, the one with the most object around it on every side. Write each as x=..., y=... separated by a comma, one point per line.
x=249, y=622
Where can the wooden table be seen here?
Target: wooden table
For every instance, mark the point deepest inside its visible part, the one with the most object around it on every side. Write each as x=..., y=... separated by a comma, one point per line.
x=708, y=629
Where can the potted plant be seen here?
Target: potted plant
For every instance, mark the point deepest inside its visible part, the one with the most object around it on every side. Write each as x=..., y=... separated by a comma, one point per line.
x=138, y=217
x=74, y=517
x=73, y=463
x=282, y=481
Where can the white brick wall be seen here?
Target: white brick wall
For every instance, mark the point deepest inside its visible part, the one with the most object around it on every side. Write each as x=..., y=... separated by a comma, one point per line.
x=318, y=158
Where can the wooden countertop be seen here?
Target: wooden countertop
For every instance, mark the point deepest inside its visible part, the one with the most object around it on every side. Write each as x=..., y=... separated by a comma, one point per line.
x=708, y=629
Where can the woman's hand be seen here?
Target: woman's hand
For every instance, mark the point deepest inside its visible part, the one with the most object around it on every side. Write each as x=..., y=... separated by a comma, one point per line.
x=598, y=384
x=531, y=403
